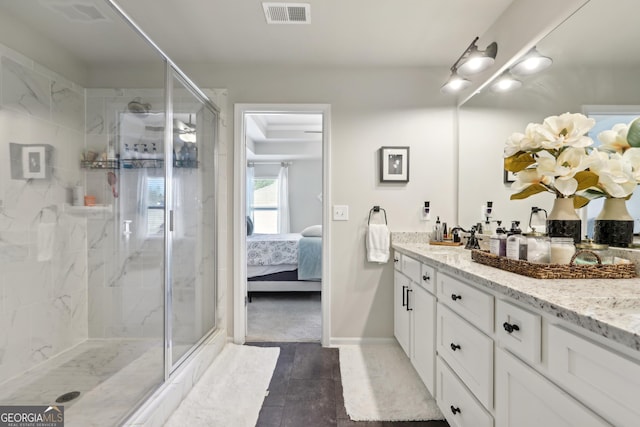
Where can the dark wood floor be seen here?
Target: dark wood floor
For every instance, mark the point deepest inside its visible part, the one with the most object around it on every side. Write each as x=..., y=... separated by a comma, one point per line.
x=306, y=391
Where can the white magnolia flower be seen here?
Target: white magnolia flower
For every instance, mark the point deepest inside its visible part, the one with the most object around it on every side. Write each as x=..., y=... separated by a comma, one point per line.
x=530, y=140
x=564, y=168
x=615, y=139
x=615, y=174
x=566, y=130
x=632, y=156
x=528, y=177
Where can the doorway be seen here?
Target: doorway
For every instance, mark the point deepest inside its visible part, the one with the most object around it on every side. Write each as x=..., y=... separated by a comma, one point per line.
x=281, y=228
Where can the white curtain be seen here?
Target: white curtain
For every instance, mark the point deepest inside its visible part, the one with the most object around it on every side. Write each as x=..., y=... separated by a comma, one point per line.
x=251, y=173
x=283, y=199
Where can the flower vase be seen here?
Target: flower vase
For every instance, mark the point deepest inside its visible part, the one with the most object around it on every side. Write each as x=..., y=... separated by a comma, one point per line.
x=614, y=225
x=563, y=221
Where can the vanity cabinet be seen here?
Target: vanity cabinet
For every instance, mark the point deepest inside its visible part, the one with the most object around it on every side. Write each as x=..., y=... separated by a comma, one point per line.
x=490, y=359
x=402, y=312
x=414, y=315
x=524, y=398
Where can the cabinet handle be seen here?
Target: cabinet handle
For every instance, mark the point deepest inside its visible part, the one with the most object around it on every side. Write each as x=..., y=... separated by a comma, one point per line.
x=456, y=297
x=455, y=410
x=426, y=278
x=404, y=296
x=396, y=260
x=510, y=327
x=409, y=290
x=455, y=347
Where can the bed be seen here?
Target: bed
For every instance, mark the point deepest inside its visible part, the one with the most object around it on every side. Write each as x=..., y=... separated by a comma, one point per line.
x=284, y=263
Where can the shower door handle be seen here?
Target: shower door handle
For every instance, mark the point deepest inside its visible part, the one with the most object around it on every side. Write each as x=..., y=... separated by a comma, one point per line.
x=171, y=220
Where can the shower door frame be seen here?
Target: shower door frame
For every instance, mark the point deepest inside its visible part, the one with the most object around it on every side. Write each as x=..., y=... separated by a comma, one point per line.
x=171, y=73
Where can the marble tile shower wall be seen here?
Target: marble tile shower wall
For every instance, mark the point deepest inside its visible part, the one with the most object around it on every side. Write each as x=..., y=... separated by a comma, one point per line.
x=43, y=263
x=125, y=273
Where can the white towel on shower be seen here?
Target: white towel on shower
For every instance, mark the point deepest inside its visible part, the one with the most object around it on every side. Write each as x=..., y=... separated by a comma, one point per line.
x=46, y=235
x=378, y=239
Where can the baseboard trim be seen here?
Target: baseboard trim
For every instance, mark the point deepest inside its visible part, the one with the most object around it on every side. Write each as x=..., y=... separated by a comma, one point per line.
x=338, y=341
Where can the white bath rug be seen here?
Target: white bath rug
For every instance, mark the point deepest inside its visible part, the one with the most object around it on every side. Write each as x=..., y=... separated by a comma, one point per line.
x=379, y=384
x=231, y=391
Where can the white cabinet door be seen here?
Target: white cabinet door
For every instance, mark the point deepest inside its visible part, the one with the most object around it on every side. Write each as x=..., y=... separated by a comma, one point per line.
x=525, y=398
x=423, y=319
x=401, y=315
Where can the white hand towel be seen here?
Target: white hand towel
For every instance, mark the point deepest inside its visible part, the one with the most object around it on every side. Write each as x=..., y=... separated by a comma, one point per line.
x=378, y=239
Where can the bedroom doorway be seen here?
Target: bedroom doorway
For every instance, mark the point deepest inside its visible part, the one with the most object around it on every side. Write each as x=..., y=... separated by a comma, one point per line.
x=281, y=290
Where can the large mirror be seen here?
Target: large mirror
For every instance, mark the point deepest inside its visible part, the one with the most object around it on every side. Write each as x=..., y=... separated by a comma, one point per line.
x=596, y=64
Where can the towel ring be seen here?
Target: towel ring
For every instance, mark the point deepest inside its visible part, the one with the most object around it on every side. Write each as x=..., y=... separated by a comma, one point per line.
x=377, y=209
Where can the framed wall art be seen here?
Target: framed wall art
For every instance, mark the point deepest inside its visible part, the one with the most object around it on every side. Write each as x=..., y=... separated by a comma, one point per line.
x=394, y=164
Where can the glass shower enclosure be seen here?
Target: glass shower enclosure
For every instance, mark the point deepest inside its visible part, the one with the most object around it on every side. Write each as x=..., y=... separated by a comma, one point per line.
x=107, y=212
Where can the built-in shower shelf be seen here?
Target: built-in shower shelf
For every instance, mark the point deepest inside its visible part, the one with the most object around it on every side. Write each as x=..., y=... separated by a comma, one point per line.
x=86, y=210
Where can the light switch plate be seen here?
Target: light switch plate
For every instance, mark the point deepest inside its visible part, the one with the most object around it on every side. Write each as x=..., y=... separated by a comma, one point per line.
x=340, y=212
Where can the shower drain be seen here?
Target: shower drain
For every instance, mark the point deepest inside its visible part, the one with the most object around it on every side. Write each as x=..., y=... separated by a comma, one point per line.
x=68, y=397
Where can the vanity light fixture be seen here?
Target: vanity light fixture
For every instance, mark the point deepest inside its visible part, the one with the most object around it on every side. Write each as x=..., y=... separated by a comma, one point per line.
x=531, y=63
x=455, y=84
x=506, y=83
x=472, y=61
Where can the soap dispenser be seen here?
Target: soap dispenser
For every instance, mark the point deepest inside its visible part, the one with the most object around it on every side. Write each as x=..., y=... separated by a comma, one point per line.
x=516, y=243
x=498, y=242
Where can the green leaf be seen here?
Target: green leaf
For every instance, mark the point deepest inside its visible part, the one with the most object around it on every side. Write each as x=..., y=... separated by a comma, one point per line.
x=518, y=162
x=633, y=136
x=529, y=191
x=579, y=201
x=586, y=179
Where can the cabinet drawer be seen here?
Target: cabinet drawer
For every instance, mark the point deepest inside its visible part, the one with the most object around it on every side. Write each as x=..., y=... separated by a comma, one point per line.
x=469, y=302
x=411, y=268
x=456, y=402
x=428, y=278
x=468, y=351
x=606, y=381
x=524, y=398
x=397, y=260
x=518, y=330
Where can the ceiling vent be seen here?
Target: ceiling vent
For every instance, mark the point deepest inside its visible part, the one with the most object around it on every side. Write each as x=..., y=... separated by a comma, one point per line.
x=85, y=12
x=287, y=13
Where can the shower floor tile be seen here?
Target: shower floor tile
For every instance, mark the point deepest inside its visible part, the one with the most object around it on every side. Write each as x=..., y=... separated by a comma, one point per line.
x=112, y=376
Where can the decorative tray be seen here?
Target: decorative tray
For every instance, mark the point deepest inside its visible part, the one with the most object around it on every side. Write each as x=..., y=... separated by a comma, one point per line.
x=445, y=243
x=556, y=271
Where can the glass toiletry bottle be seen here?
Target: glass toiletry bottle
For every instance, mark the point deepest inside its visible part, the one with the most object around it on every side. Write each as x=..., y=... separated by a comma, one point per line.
x=538, y=247
x=437, y=231
x=516, y=242
x=562, y=249
x=498, y=245
x=591, y=248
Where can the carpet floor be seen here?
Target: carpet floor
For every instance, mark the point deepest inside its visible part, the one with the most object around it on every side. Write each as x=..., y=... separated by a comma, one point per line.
x=380, y=384
x=231, y=391
x=284, y=317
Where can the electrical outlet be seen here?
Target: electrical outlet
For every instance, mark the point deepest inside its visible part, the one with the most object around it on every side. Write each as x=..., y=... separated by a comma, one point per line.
x=340, y=212
x=425, y=216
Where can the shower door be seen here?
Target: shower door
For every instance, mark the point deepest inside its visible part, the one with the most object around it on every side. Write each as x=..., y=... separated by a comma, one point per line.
x=191, y=217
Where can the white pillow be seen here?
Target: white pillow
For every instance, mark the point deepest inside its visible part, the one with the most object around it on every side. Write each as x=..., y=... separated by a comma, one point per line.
x=312, y=231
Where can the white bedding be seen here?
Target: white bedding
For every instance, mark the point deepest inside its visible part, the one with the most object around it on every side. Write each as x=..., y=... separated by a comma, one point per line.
x=272, y=249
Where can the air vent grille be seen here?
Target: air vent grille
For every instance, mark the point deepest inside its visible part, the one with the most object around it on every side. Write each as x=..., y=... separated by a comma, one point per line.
x=287, y=13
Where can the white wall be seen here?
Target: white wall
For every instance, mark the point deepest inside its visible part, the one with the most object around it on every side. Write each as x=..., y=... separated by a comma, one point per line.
x=370, y=108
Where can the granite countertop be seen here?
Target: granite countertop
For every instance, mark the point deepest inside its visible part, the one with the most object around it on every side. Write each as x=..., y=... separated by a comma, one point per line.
x=607, y=307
